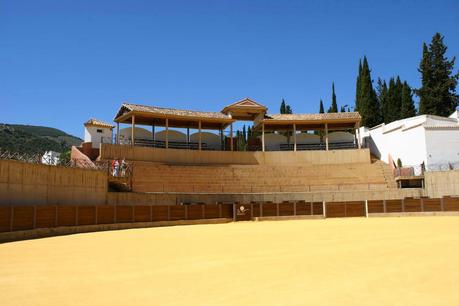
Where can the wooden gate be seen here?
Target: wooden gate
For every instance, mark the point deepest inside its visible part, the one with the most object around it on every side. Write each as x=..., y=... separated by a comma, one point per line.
x=242, y=212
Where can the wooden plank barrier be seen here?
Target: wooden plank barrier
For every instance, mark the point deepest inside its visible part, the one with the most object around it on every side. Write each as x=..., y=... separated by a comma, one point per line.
x=317, y=208
x=286, y=209
x=432, y=204
x=66, y=215
x=394, y=206
x=45, y=216
x=451, y=204
x=16, y=218
x=86, y=215
x=376, y=206
x=412, y=205
x=5, y=218
x=303, y=208
x=105, y=214
x=355, y=209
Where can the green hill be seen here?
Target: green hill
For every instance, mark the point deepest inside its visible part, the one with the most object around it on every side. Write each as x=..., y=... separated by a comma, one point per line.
x=34, y=139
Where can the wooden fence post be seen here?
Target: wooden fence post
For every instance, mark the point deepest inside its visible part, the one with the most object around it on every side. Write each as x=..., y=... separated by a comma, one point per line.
x=324, y=209
x=366, y=208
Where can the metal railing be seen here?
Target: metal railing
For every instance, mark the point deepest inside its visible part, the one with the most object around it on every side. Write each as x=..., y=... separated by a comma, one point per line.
x=49, y=160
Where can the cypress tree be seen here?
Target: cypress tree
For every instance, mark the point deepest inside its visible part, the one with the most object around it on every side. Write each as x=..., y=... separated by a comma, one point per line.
x=343, y=109
x=357, y=90
x=438, y=91
x=366, y=102
x=282, y=107
x=407, y=109
x=321, y=107
x=382, y=99
x=334, y=105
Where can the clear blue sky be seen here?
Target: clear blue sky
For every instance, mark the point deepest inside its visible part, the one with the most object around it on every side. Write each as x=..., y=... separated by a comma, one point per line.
x=62, y=62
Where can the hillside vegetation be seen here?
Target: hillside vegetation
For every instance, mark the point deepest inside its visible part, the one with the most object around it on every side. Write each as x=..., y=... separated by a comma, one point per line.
x=35, y=139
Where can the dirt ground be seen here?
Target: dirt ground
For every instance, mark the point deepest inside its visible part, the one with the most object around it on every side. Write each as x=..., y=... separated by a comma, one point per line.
x=354, y=261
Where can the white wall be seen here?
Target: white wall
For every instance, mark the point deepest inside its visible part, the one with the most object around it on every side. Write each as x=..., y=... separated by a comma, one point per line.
x=172, y=135
x=430, y=139
x=139, y=133
x=210, y=139
x=442, y=146
x=273, y=141
x=91, y=135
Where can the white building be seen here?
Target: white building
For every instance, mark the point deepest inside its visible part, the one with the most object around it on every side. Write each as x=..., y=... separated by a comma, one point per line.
x=50, y=158
x=427, y=139
x=97, y=132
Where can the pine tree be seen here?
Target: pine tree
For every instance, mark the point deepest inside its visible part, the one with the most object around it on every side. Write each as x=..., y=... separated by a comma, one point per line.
x=438, y=91
x=334, y=105
x=366, y=102
x=407, y=110
x=321, y=107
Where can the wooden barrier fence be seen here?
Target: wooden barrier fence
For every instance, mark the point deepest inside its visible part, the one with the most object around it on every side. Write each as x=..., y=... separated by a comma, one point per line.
x=19, y=218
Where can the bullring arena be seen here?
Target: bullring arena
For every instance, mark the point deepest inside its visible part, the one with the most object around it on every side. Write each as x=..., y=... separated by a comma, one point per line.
x=318, y=220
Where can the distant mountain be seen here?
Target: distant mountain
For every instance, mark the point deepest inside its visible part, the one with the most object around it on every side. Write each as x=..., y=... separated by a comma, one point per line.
x=35, y=139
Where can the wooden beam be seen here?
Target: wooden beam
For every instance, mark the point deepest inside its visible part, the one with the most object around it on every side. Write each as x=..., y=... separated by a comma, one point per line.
x=231, y=136
x=132, y=130
x=200, y=135
x=326, y=136
x=294, y=137
x=167, y=133
x=117, y=133
x=263, y=137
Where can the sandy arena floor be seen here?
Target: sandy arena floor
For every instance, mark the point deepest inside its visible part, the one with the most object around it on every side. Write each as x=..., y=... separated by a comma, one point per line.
x=377, y=261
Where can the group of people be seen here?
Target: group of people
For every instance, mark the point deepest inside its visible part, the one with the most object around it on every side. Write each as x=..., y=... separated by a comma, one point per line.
x=119, y=168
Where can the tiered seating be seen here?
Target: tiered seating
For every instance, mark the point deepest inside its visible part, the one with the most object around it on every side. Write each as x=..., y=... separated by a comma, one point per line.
x=151, y=177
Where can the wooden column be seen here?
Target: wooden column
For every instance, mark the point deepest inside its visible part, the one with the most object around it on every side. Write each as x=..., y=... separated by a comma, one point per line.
x=326, y=136
x=117, y=133
x=358, y=139
x=294, y=137
x=200, y=136
x=153, y=132
x=167, y=133
x=231, y=136
x=132, y=130
x=221, y=140
x=188, y=137
x=263, y=137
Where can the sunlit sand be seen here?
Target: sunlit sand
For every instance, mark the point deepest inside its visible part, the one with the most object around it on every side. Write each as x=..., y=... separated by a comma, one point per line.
x=354, y=261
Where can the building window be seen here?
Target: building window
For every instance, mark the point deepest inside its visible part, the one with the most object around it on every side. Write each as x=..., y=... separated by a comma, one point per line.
x=99, y=131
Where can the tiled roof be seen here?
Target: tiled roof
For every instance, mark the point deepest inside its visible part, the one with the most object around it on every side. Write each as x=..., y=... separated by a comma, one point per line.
x=173, y=111
x=96, y=122
x=314, y=117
